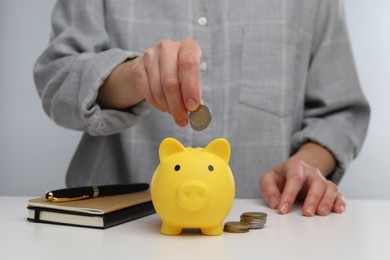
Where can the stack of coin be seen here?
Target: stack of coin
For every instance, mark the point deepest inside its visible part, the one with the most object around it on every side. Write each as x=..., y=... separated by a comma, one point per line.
x=249, y=220
x=236, y=227
x=255, y=220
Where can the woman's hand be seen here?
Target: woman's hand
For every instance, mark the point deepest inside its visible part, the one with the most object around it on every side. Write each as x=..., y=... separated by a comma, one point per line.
x=297, y=179
x=167, y=76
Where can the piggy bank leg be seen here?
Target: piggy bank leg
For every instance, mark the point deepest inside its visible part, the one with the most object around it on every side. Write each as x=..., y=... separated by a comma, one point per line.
x=212, y=231
x=167, y=229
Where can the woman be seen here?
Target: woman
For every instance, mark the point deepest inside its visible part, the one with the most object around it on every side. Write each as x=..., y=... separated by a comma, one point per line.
x=279, y=77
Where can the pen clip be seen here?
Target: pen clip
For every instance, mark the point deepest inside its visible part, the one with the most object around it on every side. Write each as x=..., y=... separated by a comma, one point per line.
x=50, y=197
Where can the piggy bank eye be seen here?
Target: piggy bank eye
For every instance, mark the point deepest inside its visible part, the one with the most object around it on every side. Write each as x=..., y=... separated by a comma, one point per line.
x=177, y=167
x=211, y=168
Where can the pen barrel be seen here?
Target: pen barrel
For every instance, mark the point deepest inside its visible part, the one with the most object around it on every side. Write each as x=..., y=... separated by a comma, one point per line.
x=86, y=192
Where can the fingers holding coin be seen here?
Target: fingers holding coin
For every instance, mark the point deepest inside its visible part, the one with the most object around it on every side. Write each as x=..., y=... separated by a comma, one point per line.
x=168, y=77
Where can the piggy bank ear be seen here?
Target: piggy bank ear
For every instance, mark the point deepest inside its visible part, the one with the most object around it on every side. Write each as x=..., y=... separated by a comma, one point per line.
x=168, y=147
x=219, y=147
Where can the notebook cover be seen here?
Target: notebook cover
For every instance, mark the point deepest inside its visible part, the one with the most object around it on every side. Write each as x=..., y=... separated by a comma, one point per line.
x=101, y=212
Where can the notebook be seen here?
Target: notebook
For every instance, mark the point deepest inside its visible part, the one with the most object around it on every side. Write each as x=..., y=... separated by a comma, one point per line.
x=100, y=212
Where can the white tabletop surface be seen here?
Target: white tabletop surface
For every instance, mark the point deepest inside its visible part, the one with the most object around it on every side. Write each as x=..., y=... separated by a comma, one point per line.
x=362, y=232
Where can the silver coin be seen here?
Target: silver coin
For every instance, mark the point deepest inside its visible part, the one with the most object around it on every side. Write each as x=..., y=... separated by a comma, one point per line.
x=254, y=215
x=200, y=118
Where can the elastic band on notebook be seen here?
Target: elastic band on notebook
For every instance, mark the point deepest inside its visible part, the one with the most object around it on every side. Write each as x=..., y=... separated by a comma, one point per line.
x=37, y=213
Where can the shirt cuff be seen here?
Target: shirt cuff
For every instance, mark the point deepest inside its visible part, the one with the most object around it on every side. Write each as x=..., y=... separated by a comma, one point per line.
x=331, y=136
x=97, y=67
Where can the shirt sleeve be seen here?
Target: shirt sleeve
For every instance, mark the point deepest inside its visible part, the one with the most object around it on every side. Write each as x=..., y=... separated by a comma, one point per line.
x=336, y=113
x=75, y=64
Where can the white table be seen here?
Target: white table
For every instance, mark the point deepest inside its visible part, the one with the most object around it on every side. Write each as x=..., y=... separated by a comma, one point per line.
x=362, y=232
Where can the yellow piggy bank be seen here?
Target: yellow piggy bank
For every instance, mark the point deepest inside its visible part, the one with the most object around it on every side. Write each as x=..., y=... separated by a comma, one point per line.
x=193, y=187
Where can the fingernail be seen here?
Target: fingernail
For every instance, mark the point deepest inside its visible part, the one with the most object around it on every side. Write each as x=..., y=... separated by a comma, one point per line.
x=311, y=210
x=324, y=210
x=284, y=209
x=272, y=202
x=191, y=104
x=182, y=122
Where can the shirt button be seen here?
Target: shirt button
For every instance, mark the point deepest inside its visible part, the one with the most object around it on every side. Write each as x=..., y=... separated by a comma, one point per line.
x=203, y=66
x=202, y=21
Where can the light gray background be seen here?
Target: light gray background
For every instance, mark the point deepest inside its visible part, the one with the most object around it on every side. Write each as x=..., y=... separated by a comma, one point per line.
x=34, y=152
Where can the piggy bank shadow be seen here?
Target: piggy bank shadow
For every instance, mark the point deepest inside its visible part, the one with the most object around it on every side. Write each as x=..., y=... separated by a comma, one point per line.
x=154, y=226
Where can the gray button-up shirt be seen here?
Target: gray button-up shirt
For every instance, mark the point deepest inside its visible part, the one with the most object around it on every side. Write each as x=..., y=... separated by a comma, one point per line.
x=275, y=74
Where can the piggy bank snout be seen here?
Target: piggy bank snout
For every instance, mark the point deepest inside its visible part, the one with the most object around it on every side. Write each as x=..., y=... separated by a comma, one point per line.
x=193, y=195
